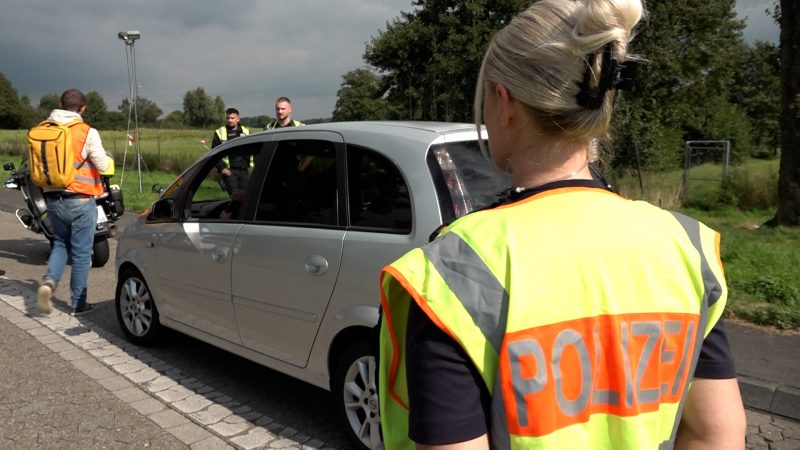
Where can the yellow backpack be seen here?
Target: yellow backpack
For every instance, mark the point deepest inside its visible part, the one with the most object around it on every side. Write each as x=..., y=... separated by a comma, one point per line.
x=51, y=158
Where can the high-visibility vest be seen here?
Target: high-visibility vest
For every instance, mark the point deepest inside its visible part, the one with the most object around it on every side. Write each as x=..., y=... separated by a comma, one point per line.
x=583, y=312
x=274, y=124
x=222, y=133
x=87, y=178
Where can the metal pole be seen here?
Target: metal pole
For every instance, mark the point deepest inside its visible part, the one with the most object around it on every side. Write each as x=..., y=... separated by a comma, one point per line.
x=727, y=163
x=686, y=163
x=135, y=100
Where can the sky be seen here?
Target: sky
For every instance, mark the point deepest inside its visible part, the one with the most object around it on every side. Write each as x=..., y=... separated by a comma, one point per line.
x=249, y=52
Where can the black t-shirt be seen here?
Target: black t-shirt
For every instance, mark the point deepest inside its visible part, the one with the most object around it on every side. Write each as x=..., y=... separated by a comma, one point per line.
x=450, y=401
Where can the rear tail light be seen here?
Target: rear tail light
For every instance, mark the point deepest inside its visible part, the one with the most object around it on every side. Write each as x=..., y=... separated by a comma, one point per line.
x=462, y=204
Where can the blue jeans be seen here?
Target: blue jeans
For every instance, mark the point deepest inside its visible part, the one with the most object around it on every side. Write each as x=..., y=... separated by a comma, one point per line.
x=74, y=221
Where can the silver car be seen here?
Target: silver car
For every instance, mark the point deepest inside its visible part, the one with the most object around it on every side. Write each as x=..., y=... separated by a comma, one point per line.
x=283, y=269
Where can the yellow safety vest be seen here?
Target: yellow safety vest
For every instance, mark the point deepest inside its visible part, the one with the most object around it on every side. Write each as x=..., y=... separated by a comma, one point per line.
x=222, y=133
x=583, y=312
x=274, y=124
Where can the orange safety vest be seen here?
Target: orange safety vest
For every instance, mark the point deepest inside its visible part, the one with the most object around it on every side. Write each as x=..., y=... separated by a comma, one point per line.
x=87, y=177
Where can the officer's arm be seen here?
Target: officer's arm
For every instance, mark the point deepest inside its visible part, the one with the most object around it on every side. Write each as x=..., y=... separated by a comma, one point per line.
x=479, y=443
x=713, y=417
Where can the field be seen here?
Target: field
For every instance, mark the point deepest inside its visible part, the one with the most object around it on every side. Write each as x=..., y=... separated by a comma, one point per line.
x=760, y=263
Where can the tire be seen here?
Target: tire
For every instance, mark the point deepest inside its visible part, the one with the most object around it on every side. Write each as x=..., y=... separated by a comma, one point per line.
x=100, y=253
x=136, y=311
x=355, y=394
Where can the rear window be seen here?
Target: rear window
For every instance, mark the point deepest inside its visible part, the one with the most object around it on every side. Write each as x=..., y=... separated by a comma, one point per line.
x=465, y=179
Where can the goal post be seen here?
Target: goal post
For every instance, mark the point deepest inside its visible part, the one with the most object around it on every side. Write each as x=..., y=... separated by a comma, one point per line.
x=701, y=152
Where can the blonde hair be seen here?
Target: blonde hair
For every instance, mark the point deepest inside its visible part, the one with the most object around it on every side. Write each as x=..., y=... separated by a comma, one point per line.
x=541, y=58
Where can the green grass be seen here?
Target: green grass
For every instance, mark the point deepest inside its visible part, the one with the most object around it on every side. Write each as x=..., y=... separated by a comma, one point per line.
x=133, y=199
x=761, y=265
x=161, y=149
x=751, y=185
x=164, y=154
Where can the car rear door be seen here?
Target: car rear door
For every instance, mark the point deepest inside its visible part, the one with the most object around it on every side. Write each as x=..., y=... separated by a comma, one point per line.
x=288, y=259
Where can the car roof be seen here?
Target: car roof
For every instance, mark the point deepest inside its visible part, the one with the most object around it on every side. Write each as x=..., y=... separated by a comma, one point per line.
x=420, y=131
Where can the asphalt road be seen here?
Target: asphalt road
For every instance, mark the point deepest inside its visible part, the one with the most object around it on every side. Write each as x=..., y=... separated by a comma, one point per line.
x=305, y=408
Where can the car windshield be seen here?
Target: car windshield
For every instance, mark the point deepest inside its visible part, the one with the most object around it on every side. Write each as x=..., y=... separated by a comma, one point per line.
x=472, y=181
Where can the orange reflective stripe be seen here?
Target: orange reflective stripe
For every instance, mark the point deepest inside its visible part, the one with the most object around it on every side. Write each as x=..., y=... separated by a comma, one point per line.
x=558, y=375
x=717, y=253
x=388, y=320
x=423, y=304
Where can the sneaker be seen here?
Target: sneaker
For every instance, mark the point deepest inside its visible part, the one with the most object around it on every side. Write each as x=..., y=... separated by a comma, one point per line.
x=44, y=296
x=87, y=308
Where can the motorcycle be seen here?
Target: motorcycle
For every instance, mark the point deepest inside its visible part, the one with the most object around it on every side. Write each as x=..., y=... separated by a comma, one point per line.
x=109, y=209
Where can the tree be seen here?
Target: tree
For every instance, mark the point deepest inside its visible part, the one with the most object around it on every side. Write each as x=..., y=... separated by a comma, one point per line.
x=174, y=119
x=12, y=113
x=682, y=89
x=28, y=111
x=47, y=103
x=429, y=58
x=147, y=111
x=96, y=110
x=199, y=109
x=757, y=90
x=359, y=97
x=788, y=212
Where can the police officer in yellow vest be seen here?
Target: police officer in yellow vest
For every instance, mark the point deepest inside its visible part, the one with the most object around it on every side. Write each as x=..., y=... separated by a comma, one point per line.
x=234, y=167
x=283, y=115
x=566, y=316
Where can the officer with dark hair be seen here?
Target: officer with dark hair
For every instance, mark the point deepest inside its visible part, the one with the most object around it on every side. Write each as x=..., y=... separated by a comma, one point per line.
x=233, y=167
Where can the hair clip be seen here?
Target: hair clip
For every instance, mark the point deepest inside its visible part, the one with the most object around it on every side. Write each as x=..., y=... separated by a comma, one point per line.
x=613, y=75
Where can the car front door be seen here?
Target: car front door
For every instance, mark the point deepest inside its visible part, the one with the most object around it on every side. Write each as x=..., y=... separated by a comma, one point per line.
x=287, y=260
x=194, y=255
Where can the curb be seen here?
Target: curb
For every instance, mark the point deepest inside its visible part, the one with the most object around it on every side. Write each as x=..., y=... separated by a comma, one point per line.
x=195, y=413
x=770, y=397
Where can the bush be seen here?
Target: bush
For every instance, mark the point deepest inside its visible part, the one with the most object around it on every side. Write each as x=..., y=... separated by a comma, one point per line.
x=753, y=186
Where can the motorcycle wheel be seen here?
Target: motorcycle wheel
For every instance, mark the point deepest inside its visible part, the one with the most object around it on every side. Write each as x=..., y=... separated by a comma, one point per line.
x=100, y=253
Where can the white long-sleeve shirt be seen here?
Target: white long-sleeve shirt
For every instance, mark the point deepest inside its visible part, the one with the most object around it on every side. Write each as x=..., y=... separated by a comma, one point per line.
x=94, y=147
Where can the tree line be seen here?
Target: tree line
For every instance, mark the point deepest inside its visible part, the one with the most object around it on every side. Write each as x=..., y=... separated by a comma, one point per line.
x=698, y=80
x=200, y=110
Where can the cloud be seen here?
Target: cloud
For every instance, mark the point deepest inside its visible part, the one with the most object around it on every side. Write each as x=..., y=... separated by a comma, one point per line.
x=247, y=52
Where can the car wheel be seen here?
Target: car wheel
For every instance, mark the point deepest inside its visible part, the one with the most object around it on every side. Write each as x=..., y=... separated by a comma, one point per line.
x=355, y=391
x=136, y=310
x=100, y=253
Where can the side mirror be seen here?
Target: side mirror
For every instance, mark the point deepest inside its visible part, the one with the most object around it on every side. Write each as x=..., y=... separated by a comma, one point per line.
x=163, y=209
x=9, y=167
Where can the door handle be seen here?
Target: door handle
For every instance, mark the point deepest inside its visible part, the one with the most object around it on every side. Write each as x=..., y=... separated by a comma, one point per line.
x=217, y=256
x=316, y=265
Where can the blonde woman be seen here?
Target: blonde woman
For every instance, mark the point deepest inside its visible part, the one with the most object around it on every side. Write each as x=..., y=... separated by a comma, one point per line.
x=566, y=317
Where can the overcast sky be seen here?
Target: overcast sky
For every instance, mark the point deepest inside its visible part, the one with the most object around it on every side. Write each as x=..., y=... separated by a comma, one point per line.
x=249, y=52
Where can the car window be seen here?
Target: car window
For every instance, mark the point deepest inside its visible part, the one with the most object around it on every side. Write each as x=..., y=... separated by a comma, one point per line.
x=219, y=191
x=379, y=198
x=301, y=184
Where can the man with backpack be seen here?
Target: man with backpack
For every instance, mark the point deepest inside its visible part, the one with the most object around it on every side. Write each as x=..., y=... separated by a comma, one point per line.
x=69, y=195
